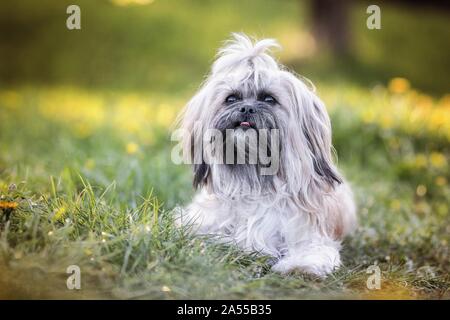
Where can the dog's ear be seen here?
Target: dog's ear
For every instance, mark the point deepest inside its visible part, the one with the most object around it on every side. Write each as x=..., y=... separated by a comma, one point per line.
x=201, y=174
x=317, y=131
x=192, y=120
x=312, y=132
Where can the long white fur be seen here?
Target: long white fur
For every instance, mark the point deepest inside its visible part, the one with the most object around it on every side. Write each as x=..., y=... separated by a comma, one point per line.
x=302, y=220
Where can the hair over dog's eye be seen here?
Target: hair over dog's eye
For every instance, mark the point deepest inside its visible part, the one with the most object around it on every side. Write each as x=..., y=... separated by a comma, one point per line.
x=231, y=98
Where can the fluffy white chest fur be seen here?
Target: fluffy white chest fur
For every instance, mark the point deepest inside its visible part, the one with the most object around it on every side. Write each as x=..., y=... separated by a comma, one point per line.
x=276, y=226
x=298, y=212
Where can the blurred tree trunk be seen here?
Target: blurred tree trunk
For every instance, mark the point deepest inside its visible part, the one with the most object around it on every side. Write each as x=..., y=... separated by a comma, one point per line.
x=330, y=19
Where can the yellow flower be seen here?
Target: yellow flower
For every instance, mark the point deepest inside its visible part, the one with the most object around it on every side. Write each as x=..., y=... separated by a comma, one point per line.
x=421, y=190
x=399, y=85
x=8, y=205
x=438, y=118
x=420, y=161
x=438, y=160
x=440, y=181
x=132, y=148
x=165, y=115
x=386, y=121
x=132, y=113
x=59, y=213
x=368, y=116
x=81, y=111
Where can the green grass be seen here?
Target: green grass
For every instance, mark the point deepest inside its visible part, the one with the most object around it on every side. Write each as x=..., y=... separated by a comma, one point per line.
x=85, y=151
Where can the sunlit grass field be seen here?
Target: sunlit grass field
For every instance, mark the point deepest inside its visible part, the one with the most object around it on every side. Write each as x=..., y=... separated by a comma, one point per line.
x=85, y=171
x=86, y=179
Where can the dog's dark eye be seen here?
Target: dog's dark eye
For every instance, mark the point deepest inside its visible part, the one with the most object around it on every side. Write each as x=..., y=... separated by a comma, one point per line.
x=268, y=98
x=231, y=98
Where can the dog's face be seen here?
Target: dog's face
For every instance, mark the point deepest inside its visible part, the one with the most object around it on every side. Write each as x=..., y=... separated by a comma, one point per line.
x=246, y=115
x=248, y=91
x=245, y=107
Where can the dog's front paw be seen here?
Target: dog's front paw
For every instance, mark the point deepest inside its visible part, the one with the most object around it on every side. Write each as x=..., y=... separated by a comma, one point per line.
x=319, y=262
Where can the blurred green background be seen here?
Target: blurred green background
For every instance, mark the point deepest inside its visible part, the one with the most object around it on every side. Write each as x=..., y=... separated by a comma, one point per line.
x=168, y=45
x=85, y=170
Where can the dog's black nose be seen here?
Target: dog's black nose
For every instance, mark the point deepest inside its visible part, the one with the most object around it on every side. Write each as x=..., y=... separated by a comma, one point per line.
x=247, y=109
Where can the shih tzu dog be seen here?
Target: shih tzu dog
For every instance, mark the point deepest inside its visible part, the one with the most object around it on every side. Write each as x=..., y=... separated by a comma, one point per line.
x=290, y=202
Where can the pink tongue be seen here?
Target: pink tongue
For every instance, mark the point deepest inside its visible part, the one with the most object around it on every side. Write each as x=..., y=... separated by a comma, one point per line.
x=245, y=123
